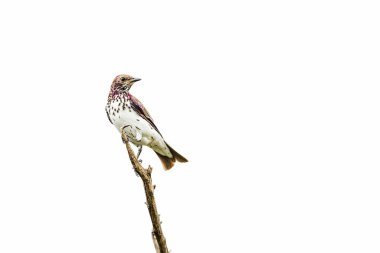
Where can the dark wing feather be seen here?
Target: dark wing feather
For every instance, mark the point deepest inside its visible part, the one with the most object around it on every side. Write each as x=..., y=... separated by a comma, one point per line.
x=138, y=107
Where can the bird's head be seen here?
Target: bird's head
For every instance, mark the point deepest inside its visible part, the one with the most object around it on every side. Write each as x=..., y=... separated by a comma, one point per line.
x=124, y=82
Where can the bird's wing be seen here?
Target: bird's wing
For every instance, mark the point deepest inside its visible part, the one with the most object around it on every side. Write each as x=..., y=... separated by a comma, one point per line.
x=139, y=108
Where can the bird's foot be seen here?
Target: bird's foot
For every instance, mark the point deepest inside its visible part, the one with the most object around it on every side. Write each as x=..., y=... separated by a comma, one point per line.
x=125, y=138
x=124, y=134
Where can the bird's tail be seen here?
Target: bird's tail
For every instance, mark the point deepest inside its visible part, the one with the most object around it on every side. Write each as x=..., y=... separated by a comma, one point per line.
x=168, y=162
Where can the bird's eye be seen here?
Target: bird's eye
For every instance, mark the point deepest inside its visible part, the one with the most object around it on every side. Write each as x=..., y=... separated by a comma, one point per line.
x=123, y=79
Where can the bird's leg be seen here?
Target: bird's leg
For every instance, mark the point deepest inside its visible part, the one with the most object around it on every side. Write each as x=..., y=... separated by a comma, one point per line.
x=139, y=153
x=137, y=156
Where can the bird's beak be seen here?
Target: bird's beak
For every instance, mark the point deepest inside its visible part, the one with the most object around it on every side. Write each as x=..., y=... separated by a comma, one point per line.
x=135, y=80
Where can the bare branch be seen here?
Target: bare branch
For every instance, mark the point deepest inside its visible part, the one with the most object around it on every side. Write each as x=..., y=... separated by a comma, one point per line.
x=145, y=175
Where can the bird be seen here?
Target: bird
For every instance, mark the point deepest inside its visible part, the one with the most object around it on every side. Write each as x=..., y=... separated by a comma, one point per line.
x=128, y=114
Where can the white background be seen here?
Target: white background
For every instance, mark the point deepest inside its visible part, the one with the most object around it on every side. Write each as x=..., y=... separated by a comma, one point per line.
x=275, y=104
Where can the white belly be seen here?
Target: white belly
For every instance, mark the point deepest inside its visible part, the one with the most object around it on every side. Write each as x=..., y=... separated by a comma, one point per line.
x=139, y=131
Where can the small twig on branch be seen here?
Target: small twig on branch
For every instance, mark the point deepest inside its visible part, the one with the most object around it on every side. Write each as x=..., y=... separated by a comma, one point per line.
x=145, y=175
